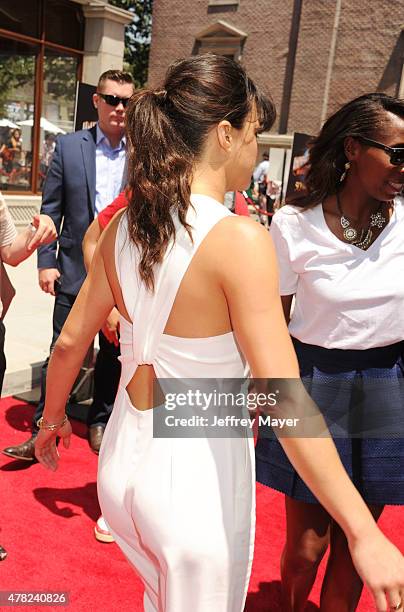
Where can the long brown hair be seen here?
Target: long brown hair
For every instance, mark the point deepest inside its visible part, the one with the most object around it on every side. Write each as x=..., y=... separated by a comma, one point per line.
x=364, y=116
x=166, y=130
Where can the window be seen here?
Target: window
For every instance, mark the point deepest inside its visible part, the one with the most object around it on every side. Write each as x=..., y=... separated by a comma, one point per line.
x=221, y=38
x=41, y=44
x=58, y=96
x=21, y=17
x=17, y=104
x=64, y=23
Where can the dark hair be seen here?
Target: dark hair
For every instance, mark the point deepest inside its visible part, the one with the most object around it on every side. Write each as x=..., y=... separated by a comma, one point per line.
x=166, y=130
x=265, y=155
x=364, y=116
x=114, y=75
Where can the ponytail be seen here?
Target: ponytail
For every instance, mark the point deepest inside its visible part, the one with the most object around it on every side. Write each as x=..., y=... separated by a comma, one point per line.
x=160, y=171
x=166, y=131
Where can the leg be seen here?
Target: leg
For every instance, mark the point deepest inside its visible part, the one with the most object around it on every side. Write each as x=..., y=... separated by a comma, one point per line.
x=342, y=586
x=270, y=207
x=181, y=510
x=106, y=379
x=306, y=542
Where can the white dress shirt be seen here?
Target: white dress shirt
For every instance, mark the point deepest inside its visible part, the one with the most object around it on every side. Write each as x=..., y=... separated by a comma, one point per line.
x=110, y=169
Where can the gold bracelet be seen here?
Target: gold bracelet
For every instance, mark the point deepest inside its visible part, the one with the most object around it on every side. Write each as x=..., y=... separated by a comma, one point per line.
x=50, y=427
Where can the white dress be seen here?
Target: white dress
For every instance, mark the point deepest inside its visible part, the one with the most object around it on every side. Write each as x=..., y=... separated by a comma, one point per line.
x=181, y=510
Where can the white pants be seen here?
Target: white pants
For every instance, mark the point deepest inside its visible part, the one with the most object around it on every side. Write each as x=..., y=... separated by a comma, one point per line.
x=181, y=510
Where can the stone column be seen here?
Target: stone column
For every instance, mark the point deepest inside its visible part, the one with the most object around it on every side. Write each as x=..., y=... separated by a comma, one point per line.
x=104, y=39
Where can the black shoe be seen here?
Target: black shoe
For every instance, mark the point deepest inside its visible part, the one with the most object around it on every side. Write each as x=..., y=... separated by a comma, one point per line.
x=24, y=451
x=3, y=553
x=95, y=434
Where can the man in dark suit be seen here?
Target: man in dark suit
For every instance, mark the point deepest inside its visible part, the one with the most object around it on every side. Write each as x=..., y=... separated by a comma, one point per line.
x=86, y=174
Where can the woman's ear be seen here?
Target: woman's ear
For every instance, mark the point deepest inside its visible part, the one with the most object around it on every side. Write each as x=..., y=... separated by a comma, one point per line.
x=224, y=135
x=351, y=148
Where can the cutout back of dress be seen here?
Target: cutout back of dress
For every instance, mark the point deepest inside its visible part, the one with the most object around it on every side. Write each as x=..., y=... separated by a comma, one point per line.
x=146, y=352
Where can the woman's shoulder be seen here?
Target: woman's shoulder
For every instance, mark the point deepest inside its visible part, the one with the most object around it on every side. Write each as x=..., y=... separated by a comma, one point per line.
x=234, y=237
x=237, y=243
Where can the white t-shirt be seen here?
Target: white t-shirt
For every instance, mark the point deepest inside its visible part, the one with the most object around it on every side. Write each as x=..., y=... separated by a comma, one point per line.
x=346, y=298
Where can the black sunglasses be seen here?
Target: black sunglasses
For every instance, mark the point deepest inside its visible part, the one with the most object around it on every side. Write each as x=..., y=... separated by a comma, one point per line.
x=396, y=153
x=114, y=100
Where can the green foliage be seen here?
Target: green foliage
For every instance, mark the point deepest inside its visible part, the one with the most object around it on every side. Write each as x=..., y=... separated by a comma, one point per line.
x=60, y=76
x=15, y=72
x=137, y=37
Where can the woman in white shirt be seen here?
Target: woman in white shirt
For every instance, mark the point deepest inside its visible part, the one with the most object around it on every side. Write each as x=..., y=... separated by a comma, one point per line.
x=341, y=255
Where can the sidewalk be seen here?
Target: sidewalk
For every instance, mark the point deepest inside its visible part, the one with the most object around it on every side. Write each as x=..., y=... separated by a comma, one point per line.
x=28, y=329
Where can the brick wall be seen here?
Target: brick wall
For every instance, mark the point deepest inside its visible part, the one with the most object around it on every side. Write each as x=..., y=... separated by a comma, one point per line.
x=368, y=53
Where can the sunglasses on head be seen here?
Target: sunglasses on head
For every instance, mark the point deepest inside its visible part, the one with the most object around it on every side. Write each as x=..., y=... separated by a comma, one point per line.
x=396, y=153
x=114, y=100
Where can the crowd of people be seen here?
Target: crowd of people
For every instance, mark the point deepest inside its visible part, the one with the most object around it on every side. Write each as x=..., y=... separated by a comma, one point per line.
x=148, y=256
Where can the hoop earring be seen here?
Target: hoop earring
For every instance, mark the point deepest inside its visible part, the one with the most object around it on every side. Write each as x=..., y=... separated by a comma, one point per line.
x=345, y=172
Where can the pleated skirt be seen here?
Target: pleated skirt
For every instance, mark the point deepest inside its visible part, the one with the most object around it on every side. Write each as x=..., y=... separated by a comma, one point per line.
x=361, y=396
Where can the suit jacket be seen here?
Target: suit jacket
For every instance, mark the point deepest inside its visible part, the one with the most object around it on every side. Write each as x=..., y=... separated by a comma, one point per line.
x=69, y=199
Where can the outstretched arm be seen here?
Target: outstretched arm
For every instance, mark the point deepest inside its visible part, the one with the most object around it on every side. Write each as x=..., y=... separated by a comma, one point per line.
x=41, y=231
x=250, y=283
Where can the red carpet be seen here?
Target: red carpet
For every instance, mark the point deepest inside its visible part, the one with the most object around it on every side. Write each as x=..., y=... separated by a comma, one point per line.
x=47, y=522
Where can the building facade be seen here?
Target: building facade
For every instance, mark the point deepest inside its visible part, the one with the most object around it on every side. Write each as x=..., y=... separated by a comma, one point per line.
x=46, y=46
x=310, y=55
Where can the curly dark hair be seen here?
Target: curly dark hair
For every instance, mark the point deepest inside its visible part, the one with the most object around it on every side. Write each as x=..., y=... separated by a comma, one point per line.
x=166, y=131
x=364, y=116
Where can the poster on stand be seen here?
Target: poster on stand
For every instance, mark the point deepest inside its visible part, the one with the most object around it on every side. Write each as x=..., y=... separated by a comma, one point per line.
x=85, y=115
x=299, y=166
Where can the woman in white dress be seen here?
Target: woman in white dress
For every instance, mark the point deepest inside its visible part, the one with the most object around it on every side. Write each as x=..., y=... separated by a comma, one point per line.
x=197, y=291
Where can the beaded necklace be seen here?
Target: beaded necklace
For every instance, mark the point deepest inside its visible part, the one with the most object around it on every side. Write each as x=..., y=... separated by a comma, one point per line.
x=361, y=238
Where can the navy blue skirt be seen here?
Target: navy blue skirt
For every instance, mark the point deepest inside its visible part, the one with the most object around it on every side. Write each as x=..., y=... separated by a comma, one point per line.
x=361, y=395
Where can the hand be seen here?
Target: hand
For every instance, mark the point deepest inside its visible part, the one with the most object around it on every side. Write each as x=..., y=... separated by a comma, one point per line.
x=381, y=566
x=46, y=278
x=45, y=231
x=45, y=445
x=110, y=329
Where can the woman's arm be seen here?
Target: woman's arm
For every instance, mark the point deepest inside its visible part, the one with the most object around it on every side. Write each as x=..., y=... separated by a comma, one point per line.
x=110, y=329
x=41, y=231
x=92, y=306
x=90, y=240
x=250, y=283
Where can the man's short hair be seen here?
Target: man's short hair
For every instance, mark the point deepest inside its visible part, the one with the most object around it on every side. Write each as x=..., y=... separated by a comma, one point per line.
x=265, y=155
x=114, y=75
